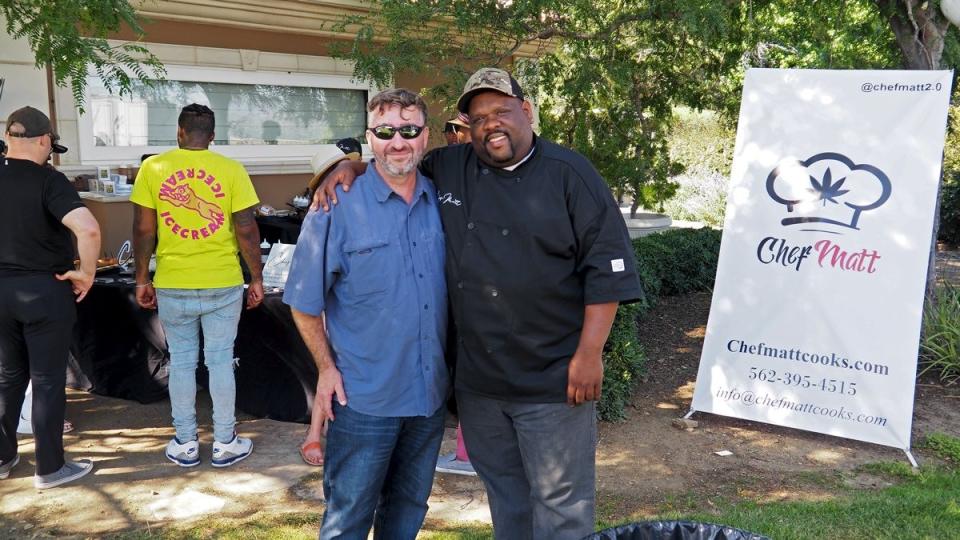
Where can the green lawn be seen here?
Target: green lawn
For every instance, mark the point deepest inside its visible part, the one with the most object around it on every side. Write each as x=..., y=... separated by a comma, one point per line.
x=922, y=504
x=926, y=505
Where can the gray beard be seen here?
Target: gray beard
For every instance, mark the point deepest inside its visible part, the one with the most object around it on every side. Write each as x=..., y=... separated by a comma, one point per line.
x=399, y=171
x=395, y=170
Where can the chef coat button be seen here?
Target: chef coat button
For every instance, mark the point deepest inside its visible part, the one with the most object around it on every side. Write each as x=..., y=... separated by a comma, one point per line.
x=505, y=232
x=484, y=171
x=471, y=226
x=414, y=244
x=489, y=351
x=494, y=293
x=459, y=284
x=425, y=306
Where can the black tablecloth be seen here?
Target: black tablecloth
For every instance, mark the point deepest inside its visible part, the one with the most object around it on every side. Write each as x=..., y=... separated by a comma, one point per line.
x=275, y=229
x=119, y=350
x=277, y=377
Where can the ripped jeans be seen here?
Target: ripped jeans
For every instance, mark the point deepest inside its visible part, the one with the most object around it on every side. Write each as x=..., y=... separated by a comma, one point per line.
x=183, y=313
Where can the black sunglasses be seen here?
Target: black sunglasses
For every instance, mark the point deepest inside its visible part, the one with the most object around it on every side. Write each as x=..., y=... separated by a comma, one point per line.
x=386, y=132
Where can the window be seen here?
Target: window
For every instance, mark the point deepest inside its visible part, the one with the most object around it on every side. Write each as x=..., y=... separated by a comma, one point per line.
x=261, y=117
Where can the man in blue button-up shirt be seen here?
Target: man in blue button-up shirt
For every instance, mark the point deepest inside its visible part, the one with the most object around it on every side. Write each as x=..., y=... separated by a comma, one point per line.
x=374, y=268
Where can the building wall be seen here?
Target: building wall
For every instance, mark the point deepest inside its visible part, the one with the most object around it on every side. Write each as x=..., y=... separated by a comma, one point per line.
x=276, y=37
x=311, y=51
x=24, y=84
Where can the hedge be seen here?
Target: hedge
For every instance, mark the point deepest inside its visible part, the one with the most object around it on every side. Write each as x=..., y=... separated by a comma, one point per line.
x=672, y=262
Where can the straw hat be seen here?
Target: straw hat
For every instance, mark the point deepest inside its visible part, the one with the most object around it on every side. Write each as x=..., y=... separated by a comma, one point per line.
x=458, y=121
x=325, y=160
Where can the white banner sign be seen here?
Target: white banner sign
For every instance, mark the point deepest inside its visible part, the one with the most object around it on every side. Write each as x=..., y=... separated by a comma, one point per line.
x=815, y=319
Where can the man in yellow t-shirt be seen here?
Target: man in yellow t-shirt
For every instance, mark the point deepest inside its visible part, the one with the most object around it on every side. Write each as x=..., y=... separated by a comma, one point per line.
x=195, y=207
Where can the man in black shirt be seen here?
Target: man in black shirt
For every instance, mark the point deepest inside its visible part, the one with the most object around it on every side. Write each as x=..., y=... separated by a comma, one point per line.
x=538, y=258
x=38, y=283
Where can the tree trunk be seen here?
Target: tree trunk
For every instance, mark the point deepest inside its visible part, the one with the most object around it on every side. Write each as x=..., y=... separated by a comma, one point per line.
x=919, y=27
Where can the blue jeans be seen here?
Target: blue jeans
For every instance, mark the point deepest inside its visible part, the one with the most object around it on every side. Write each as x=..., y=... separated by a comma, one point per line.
x=378, y=470
x=183, y=312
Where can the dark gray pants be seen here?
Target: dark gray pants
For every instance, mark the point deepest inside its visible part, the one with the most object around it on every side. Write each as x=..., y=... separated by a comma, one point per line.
x=537, y=461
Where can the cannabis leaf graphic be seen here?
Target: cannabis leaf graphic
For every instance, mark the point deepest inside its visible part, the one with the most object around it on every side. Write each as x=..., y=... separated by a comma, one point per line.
x=826, y=190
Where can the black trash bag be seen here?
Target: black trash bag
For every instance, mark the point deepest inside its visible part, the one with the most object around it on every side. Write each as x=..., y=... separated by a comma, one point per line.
x=673, y=530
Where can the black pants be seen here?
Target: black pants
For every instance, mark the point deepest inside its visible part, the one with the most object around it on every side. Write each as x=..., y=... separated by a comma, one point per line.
x=37, y=313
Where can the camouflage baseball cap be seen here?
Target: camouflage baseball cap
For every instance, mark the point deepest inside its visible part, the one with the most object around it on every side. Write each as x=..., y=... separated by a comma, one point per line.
x=485, y=79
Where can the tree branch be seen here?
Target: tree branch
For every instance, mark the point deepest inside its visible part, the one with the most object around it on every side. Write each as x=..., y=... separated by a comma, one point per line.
x=603, y=33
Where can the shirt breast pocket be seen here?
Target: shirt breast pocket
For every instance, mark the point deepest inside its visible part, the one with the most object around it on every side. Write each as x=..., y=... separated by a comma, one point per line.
x=372, y=264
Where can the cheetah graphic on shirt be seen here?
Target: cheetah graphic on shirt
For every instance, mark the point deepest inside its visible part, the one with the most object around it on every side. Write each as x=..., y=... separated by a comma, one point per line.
x=183, y=196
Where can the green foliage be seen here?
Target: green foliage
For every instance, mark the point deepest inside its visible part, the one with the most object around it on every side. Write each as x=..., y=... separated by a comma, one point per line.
x=71, y=36
x=944, y=445
x=949, y=231
x=702, y=142
x=623, y=362
x=608, y=83
x=612, y=97
x=851, y=34
x=677, y=261
x=701, y=196
x=825, y=34
x=610, y=73
x=898, y=470
x=672, y=262
x=941, y=334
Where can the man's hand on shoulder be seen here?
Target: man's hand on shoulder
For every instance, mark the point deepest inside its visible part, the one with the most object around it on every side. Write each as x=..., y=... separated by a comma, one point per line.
x=343, y=174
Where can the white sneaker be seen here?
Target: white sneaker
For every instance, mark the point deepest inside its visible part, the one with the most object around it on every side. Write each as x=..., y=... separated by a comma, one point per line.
x=448, y=463
x=226, y=454
x=183, y=454
x=24, y=427
x=5, y=468
x=70, y=471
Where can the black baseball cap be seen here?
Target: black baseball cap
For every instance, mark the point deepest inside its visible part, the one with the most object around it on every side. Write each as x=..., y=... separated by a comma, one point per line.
x=349, y=146
x=35, y=124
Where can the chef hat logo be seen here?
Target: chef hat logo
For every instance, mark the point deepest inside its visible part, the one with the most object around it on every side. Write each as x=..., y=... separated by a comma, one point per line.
x=827, y=189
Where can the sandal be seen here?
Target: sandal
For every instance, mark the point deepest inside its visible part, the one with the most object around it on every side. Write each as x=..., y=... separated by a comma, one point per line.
x=24, y=428
x=306, y=448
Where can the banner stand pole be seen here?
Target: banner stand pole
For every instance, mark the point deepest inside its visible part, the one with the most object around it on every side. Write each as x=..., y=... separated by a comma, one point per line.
x=689, y=414
x=910, y=457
